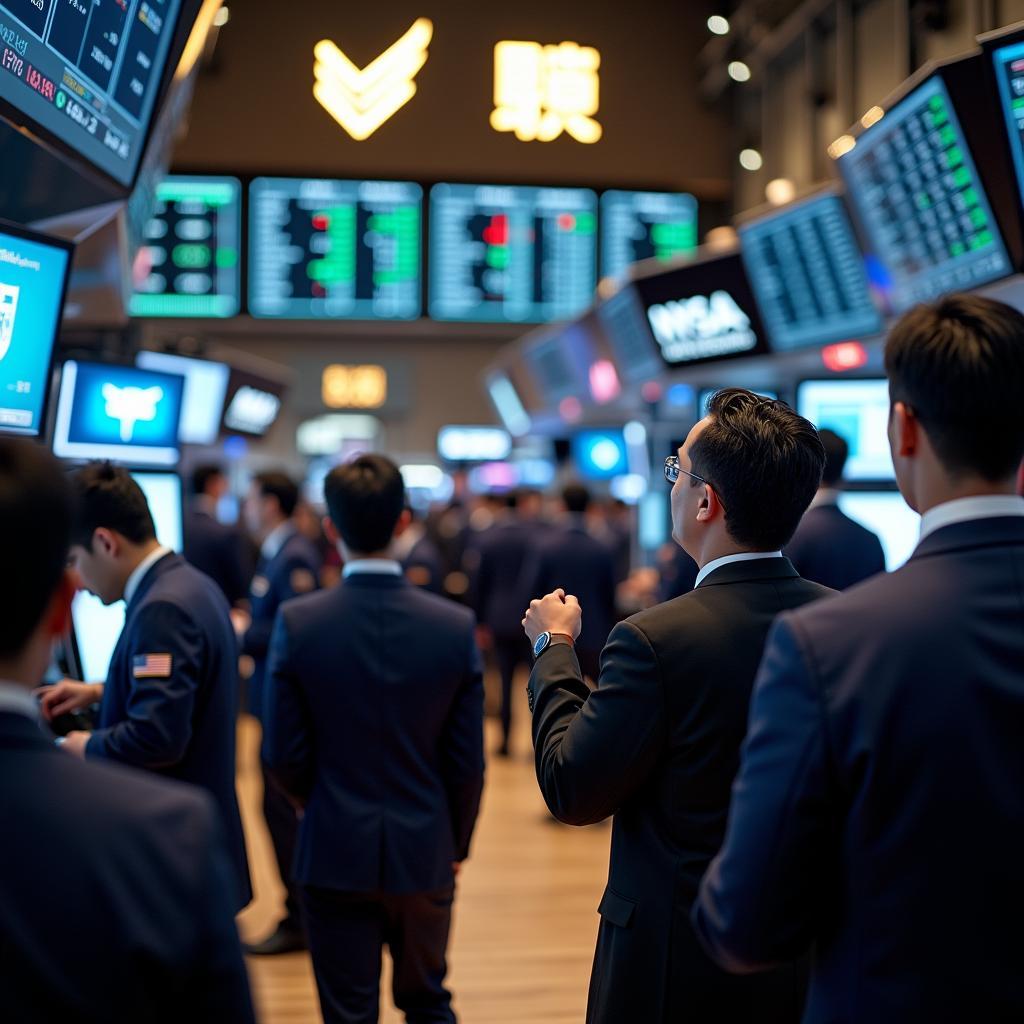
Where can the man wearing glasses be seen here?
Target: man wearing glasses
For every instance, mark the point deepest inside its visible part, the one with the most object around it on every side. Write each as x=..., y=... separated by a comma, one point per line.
x=657, y=743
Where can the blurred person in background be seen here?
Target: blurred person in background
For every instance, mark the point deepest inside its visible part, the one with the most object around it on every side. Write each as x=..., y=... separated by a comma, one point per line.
x=419, y=556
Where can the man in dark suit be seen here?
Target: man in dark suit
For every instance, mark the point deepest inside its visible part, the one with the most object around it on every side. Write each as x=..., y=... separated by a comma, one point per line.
x=288, y=566
x=170, y=700
x=211, y=546
x=375, y=724
x=657, y=743
x=572, y=559
x=878, y=812
x=828, y=546
x=115, y=886
x=419, y=557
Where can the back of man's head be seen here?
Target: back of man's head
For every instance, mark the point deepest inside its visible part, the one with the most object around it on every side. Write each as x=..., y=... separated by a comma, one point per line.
x=203, y=476
x=836, y=454
x=36, y=509
x=107, y=497
x=365, y=499
x=278, y=485
x=958, y=366
x=764, y=463
x=576, y=498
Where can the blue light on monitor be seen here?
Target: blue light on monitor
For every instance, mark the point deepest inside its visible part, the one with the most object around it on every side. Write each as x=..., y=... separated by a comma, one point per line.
x=600, y=454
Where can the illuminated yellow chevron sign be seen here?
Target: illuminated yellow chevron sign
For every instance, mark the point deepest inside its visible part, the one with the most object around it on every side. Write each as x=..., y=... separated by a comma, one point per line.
x=361, y=100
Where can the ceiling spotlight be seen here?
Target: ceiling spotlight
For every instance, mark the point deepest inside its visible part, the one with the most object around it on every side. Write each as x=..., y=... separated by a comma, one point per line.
x=738, y=71
x=780, y=191
x=841, y=146
x=721, y=239
x=718, y=25
x=222, y=17
x=751, y=160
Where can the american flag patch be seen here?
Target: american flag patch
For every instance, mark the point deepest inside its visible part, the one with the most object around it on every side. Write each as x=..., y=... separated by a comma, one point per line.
x=151, y=666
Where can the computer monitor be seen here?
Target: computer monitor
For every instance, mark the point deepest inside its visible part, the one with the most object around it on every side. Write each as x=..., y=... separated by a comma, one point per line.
x=97, y=626
x=629, y=336
x=886, y=514
x=118, y=412
x=253, y=403
x=858, y=411
x=33, y=281
x=637, y=226
x=600, y=454
x=206, y=384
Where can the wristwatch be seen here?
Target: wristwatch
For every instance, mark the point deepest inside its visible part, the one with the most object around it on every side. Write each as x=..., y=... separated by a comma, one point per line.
x=545, y=640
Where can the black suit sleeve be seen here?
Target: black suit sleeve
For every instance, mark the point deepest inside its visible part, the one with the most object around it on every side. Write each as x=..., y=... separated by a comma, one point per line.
x=594, y=749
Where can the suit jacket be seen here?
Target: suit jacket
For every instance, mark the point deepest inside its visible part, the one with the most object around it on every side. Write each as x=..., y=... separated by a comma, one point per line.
x=115, y=891
x=496, y=559
x=878, y=813
x=220, y=552
x=657, y=745
x=423, y=566
x=375, y=722
x=178, y=720
x=831, y=549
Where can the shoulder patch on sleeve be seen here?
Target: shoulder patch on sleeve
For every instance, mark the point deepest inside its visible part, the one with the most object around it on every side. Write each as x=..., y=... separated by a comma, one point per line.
x=151, y=666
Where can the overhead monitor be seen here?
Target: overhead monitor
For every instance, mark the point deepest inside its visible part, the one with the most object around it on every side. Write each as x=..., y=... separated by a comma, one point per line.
x=920, y=200
x=705, y=395
x=600, y=454
x=253, y=403
x=33, y=281
x=638, y=226
x=473, y=444
x=508, y=404
x=97, y=626
x=118, y=412
x=702, y=311
x=886, y=514
x=1008, y=64
x=858, y=411
x=501, y=253
x=341, y=250
x=192, y=247
x=84, y=76
x=629, y=337
x=808, y=275
x=552, y=368
x=206, y=385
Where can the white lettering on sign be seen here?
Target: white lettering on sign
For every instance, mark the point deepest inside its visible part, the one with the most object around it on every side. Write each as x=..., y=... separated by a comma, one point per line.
x=701, y=327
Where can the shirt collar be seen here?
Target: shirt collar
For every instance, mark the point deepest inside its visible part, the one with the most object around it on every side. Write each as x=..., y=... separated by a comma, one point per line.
x=372, y=566
x=276, y=539
x=18, y=700
x=743, y=556
x=139, y=573
x=825, y=496
x=962, y=510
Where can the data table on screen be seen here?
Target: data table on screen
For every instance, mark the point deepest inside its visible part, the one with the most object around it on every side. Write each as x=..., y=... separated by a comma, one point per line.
x=917, y=191
x=325, y=249
x=1009, y=67
x=193, y=249
x=639, y=226
x=512, y=254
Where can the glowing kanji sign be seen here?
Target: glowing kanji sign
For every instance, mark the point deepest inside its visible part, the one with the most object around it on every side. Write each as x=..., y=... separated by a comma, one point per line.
x=542, y=91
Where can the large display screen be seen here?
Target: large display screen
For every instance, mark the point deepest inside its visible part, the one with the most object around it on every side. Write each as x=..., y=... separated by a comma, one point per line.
x=193, y=248
x=858, y=411
x=98, y=626
x=253, y=403
x=87, y=73
x=629, y=337
x=324, y=249
x=1009, y=68
x=886, y=514
x=808, y=275
x=917, y=193
x=516, y=254
x=639, y=226
x=206, y=384
x=33, y=278
x=118, y=412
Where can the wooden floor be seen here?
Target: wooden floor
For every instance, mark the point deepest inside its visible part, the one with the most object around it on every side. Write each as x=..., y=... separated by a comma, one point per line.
x=525, y=911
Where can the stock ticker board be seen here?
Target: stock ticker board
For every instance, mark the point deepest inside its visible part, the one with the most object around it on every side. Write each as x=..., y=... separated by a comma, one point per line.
x=638, y=226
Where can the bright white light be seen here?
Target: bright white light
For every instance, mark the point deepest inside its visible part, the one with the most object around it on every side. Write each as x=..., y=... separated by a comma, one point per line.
x=751, y=160
x=222, y=17
x=739, y=72
x=605, y=454
x=629, y=488
x=423, y=477
x=635, y=433
x=718, y=25
x=780, y=191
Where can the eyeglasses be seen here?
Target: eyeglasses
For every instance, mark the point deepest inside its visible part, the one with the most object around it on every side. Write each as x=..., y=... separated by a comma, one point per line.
x=673, y=469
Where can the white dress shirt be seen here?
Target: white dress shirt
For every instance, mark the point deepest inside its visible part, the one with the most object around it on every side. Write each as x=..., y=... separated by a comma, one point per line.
x=18, y=700
x=139, y=574
x=964, y=510
x=743, y=556
x=372, y=567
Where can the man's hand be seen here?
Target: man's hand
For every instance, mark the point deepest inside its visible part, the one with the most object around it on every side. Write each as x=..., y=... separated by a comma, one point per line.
x=74, y=743
x=241, y=620
x=556, y=612
x=67, y=695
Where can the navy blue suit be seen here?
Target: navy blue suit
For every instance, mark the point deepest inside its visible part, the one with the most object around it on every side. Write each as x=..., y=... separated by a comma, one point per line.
x=115, y=894
x=831, y=549
x=375, y=723
x=423, y=566
x=220, y=552
x=178, y=721
x=879, y=811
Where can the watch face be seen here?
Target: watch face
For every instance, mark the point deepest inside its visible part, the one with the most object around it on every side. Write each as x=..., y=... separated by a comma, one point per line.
x=542, y=641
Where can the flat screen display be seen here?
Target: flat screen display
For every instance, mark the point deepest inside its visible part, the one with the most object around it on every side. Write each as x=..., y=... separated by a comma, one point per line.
x=206, y=384
x=886, y=514
x=511, y=254
x=344, y=250
x=118, y=412
x=193, y=249
x=252, y=405
x=639, y=226
x=98, y=626
x=917, y=192
x=87, y=73
x=33, y=281
x=600, y=454
x=1009, y=69
x=473, y=444
x=629, y=337
x=808, y=275
x=858, y=411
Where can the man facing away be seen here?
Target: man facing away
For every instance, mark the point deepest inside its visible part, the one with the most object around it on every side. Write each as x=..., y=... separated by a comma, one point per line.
x=828, y=546
x=878, y=814
x=374, y=723
x=657, y=743
x=115, y=889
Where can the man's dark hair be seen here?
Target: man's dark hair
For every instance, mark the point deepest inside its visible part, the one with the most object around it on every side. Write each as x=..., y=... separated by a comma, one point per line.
x=278, y=485
x=202, y=475
x=365, y=498
x=108, y=498
x=836, y=453
x=763, y=461
x=958, y=364
x=36, y=509
x=576, y=498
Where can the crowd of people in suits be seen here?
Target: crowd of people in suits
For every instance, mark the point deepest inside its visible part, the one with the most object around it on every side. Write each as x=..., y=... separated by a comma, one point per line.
x=796, y=777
